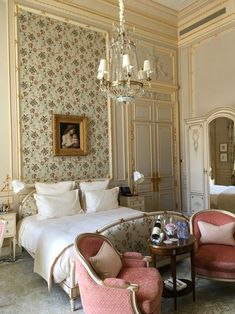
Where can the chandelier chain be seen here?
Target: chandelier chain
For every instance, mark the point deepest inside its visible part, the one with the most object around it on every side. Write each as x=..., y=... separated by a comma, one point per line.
x=121, y=16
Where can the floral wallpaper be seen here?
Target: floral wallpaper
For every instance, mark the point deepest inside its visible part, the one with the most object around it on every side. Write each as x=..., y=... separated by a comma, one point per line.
x=58, y=63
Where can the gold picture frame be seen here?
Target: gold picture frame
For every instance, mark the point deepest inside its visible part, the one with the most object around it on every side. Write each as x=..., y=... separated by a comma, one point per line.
x=69, y=135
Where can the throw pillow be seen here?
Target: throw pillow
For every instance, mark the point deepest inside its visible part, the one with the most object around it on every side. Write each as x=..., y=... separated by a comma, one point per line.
x=101, y=200
x=54, y=206
x=92, y=186
x=107, y=263
x=223, y=234
x=54, y=188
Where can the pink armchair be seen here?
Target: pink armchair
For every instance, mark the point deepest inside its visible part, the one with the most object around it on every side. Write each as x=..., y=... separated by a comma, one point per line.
x=214, y=260
x=136, y=288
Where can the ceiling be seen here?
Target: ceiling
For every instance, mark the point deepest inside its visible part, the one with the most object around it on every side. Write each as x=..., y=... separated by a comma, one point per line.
x=175, y=4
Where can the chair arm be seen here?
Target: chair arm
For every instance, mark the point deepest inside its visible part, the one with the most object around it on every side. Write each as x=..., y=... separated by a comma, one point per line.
x=116, y=283
x=135, y=259
x=120, y=283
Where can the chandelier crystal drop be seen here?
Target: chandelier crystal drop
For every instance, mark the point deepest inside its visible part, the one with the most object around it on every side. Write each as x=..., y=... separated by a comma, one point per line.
x=121, y=79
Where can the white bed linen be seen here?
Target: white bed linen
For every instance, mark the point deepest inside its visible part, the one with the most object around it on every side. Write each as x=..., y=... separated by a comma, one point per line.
x=37, y=237
x=215, y=191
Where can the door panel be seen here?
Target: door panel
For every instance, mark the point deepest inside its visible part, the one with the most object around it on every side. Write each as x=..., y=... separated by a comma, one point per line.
x=164, y=113
x=164, y=150
x=196, y=161
x=143, y=148
x=165, y=170
x=153, y=154
x=196, y=158
x=119, y=141
x=143, y=110
x=167, y=200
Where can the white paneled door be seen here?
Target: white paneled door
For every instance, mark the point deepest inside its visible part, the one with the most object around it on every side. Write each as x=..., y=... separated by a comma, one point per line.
x=196, y=160
x=153, y=153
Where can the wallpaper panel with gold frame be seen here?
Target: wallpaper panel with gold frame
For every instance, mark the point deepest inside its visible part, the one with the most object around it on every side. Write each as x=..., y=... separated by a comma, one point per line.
x=57, y=61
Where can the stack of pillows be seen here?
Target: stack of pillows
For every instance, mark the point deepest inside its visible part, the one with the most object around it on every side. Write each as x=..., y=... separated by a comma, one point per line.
x=60, y=199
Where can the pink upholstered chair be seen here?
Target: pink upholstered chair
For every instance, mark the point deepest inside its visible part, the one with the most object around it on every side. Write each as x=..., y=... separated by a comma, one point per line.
x=2, y=230
x=213, y=260
x=136, y=288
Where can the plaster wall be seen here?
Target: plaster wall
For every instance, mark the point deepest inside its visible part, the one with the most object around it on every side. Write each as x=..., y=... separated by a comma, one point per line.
x=206, y=72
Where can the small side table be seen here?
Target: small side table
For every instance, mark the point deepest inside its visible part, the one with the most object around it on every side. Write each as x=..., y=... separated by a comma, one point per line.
x=10, y=231
x=172, y=250
x=135, y=202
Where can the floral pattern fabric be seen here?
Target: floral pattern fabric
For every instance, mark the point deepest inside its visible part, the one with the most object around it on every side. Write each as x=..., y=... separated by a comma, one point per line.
x=28, y=207
x=133, y=235
x=58, y=63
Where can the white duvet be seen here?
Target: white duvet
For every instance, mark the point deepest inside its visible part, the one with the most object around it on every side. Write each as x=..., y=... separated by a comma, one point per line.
x=51, y=240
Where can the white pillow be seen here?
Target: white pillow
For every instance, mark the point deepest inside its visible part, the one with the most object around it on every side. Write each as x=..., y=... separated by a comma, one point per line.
x=54, y=206
x=92, y=186
x=222, y=234
x=54, y=188
x=101, y=200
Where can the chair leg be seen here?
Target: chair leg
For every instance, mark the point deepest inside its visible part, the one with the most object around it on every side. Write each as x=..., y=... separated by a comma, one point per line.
x=72, y=304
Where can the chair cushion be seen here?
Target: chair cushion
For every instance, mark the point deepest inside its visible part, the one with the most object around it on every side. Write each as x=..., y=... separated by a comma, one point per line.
x=107, y=263
x=150, y=286
x=222, y=234
x=215, y=260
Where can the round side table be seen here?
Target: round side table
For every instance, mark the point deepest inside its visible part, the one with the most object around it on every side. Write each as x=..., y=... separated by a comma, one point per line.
x=172, y=250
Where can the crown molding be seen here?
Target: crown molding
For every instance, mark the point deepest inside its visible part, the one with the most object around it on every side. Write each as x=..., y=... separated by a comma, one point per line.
x=103, y=13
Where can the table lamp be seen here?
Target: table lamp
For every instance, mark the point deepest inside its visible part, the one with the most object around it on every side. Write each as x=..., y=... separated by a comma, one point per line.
x=138, y=178
x=17, y=186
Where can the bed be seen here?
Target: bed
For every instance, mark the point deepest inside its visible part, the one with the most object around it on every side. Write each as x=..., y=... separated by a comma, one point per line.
x=50, y=241
x=222, y=197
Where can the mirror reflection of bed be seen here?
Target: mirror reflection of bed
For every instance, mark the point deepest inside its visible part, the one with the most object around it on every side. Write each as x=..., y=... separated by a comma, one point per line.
x=222, y=165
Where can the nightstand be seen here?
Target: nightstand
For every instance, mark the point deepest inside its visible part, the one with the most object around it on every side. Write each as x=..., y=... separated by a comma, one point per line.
x=135, y=202
x=10, y=231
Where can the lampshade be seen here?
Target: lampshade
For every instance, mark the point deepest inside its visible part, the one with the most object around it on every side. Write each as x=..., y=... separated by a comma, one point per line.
x=138, y=177
x=17, y=186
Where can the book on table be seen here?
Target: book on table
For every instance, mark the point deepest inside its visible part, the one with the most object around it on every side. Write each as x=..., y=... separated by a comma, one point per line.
x=179, y=284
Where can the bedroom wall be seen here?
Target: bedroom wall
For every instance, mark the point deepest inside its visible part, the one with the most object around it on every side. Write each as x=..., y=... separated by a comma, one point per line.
x=206, y=67
x=58, y=63
x=28, y=152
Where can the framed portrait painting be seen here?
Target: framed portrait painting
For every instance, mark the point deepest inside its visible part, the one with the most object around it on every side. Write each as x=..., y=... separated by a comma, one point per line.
x=223, y=147
x=223, y=157
x=69, y=135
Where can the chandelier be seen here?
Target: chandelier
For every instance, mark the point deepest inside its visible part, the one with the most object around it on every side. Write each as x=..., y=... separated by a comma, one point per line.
x=122, y=79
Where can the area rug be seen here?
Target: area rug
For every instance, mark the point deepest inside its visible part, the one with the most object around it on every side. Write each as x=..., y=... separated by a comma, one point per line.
x=23, y=292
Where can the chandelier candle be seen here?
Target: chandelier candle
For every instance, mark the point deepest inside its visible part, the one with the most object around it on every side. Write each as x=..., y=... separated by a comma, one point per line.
x=125, y=80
